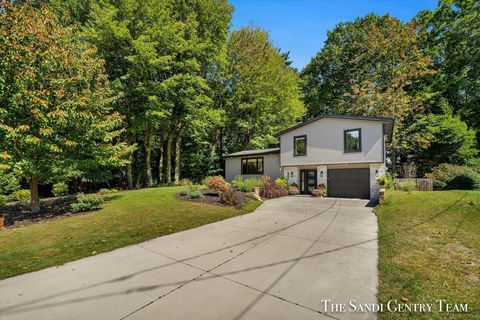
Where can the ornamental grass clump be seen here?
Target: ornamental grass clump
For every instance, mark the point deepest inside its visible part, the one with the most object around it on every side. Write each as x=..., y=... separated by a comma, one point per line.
x=246, y=185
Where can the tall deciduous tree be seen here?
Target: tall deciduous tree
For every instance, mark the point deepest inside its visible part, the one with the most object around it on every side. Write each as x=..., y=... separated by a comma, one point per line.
x=436, y=139
x=263, y=94
x=373, y=66
x=54, y=99
x=452, y=39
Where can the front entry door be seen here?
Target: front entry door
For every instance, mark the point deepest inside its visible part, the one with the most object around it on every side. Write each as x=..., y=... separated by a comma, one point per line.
x=308, y=180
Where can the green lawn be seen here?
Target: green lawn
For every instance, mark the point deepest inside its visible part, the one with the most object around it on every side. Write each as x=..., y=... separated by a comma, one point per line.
x=130, y=218
x=429, y=246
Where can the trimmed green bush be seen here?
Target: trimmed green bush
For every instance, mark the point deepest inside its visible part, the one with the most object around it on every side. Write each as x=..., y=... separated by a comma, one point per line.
x=449, y=177
x=9, y=183
x=193, y=192
x=87, y=202
x=60, y=189
x=21, y=195
x=3, y=200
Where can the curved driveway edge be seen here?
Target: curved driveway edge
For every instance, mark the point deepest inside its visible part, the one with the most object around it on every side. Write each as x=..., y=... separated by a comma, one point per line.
x=293, y=258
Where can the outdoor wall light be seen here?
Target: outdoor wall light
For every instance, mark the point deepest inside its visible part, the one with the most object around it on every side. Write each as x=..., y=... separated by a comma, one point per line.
x=376, y=173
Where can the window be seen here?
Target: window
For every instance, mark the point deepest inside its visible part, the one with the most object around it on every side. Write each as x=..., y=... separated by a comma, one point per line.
x=300, y=146
x=252, y=165
x=352, y=140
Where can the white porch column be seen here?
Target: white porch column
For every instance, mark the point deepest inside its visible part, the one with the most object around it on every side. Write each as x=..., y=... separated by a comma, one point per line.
x=322, y=175
x=292, y=175
x=376, y=170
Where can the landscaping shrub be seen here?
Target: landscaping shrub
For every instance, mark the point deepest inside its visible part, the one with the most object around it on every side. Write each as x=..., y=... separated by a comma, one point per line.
x=87, y=202
x=293, y=184
x=319, y=191
x=192, y=192
x=293, y=191
x=246, y=185
x=216, y=183
x=60, y=189
x=282, y=182
x=3, y=200
x=21, y=195
x=228, y=196
x=387, y=181
x=113, y=190
x=272, y=190
x=406, y=186
x=185, y=182
x=104, y=191
x=448, y=177
x=9, y=183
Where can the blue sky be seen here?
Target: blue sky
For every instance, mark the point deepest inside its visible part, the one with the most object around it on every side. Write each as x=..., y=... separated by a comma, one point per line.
x=300, y=26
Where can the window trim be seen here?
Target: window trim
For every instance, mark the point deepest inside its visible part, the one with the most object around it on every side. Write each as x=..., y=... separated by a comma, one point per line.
x=359, y=140
x=295, y=154
x=250, y=158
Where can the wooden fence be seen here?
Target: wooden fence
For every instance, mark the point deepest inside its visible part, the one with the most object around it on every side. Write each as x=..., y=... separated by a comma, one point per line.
x=423, y=184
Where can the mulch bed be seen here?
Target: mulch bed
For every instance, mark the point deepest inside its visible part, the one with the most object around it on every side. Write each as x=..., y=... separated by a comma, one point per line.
x=211, y=197
x=18, y=214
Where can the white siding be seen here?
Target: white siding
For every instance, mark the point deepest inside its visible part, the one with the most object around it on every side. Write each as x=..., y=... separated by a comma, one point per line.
x=271, y=167
x=325, y=143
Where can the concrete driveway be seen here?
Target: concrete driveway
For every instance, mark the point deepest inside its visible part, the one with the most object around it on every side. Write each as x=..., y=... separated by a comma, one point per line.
x=280, y=262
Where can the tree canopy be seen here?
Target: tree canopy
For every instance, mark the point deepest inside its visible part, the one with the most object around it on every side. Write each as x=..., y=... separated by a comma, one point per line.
x=263, y=94
x=55, y=114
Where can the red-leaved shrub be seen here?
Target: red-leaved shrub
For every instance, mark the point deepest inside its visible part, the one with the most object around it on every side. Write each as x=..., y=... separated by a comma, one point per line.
x=216, y=183
x=293, y=191
x=228, y=196
x=272, y=190
x=319, y=191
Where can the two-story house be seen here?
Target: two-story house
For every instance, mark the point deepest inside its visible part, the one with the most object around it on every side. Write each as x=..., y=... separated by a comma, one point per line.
x=345, y=153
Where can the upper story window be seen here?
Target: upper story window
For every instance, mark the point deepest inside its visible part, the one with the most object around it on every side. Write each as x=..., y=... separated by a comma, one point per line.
x=252, y=165
x=352, y=140
x=300, y=146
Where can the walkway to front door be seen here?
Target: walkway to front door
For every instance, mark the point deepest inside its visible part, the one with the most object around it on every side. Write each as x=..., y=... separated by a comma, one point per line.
x=308, y=180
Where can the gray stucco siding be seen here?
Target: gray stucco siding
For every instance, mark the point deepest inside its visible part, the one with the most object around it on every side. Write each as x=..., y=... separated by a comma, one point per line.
x=271, y=167
x=325, y=143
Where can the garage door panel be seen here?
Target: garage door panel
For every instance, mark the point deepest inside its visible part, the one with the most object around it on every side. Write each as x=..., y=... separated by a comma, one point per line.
x=349, y=183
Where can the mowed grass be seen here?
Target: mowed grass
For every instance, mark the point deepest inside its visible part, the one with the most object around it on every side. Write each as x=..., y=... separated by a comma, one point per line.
x=129, y=218
x=429, y=247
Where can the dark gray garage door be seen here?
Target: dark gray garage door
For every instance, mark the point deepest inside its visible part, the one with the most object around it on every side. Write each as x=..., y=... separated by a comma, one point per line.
x=349, y=183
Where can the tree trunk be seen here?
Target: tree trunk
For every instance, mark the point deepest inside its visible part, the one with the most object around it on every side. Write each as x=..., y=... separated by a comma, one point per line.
x=178, y=140
x=168, y=171
x=394, y=161
x=148, y=152
x=34, y=198
x=131, y=141
x=160, y=163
